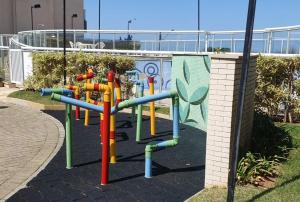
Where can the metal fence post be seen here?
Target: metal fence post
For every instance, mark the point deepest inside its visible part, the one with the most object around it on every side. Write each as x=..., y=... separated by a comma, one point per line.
x=270, y=42
x=206, y=41
x=57, y=39
x=288, y=43
x=114, y=41
x=231, y=45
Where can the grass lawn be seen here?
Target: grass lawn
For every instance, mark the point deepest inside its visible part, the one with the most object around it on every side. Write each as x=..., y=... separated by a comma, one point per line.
x=287, y=185
x=33, y=97
x=161, y=110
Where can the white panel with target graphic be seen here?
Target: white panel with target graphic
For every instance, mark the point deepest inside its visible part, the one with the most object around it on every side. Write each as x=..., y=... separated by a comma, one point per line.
x=162, y=76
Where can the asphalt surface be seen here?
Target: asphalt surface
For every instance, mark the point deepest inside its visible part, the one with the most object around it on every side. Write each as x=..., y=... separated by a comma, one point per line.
x=178, y=172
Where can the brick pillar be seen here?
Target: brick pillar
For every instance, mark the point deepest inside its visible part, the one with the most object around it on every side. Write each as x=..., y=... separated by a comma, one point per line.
x=222, y=105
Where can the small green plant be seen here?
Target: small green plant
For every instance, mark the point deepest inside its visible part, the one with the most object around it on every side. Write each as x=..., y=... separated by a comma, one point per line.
x=270, y=145
x=253, y=168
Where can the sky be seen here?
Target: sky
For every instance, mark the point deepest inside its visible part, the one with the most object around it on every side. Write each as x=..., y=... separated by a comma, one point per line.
x=182, y=14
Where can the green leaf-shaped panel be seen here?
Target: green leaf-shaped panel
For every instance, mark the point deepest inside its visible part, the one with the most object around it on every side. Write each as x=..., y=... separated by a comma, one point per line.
x=203, y=112
x=198, y=96
x=190, y=78
x=207, y=63
x=186, y=72
x=184, y=112
x=182, y=92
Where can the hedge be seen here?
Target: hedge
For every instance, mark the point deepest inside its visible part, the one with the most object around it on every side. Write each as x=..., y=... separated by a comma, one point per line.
x=48, y=67
x=278, y=84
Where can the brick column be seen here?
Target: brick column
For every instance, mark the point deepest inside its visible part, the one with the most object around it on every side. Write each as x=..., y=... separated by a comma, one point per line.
x=222, y=105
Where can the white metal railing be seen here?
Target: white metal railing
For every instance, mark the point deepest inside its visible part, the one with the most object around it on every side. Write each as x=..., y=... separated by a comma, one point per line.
x=4, y=40
x=280, y=40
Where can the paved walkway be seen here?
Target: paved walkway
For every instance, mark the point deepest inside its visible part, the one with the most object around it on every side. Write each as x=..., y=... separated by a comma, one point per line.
x=28, y=140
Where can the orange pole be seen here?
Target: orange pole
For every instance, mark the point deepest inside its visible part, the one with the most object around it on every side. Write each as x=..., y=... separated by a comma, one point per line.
x=152, y=107
x=118, y=90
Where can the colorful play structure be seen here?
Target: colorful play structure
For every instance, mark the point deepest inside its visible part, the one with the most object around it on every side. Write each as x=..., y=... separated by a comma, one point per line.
x=182, y=105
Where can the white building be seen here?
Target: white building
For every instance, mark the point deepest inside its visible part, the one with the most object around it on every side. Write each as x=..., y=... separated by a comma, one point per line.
x=15, y=15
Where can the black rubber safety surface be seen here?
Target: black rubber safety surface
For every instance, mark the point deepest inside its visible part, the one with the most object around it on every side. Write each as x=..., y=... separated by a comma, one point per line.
x=178, y=172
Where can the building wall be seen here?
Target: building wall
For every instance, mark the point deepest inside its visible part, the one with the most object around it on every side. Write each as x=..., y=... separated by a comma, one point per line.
x=15, y=15
x=72, y=7
x=222, y=107
x=6, y=25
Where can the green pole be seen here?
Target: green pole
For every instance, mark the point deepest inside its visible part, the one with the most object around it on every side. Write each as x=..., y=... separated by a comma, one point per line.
x=69, y=136
x=139, y=115
x=132, y=114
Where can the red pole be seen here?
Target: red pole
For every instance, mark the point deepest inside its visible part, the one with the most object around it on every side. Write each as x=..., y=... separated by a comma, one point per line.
x=77, y=108
x=105, y=139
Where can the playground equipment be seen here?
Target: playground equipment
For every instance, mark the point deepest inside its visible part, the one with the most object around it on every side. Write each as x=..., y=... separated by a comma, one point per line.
x=152, y=106
x=87, y=77
x=135, y=78
x=89, y=87
x=107, y=110
x=108, y=140
x=68, y=125
x=189, y=100
x=76, y=91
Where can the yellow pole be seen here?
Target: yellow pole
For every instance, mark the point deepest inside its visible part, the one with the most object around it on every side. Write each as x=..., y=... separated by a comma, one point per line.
x=87, y=112
x=152, y=107
x=112, y=136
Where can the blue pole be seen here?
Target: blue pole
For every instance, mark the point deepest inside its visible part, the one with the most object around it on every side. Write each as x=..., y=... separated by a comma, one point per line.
x=61, y=91
x=145, y=99
x=75, y=102
x=163, y=144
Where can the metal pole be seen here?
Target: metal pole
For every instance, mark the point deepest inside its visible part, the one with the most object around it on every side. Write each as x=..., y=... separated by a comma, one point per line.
x=198, y=37
x=231, y=45
x=159, y=40
x=288, y=43
x=31, y=18
x=140, y=114
x=152, y=106
x=72, y=22
x=31, y=26
x=99, y=21
x=270, y=42
x=69, y=155
x=105, y=139
x=206, y=41
x=129, y=21
x=65, y=60
x=237, y=125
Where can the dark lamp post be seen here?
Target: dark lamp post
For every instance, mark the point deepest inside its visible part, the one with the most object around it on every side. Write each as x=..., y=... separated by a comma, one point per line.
x=74, y=16
x=32, y=7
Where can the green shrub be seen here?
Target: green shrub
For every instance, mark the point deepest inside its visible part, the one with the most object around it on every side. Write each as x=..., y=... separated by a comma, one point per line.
x=48, y=67
x=277, y=83
x=270, y=145
x=268, y=139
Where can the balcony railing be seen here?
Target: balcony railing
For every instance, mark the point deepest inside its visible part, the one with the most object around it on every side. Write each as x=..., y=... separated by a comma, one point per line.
x=281, y=40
